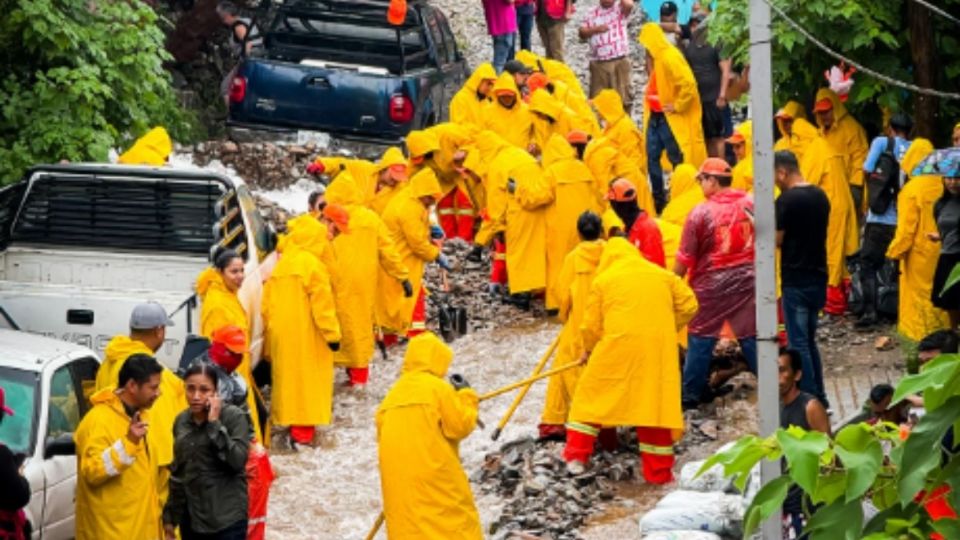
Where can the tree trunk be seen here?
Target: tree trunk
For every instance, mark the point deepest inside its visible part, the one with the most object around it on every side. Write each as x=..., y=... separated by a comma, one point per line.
x=924, y=56
x=193, y=29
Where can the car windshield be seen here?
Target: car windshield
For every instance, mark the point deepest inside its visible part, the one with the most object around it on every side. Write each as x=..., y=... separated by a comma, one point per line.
x=17, y=432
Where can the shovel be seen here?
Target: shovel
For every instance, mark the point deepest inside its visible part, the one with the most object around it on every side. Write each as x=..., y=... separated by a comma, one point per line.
x=523, y=393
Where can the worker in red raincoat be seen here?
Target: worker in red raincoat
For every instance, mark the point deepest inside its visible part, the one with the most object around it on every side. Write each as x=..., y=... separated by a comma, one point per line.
x=640, y=227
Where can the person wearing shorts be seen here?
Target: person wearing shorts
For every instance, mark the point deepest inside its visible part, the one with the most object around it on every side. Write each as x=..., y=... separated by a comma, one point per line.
x=712, y=72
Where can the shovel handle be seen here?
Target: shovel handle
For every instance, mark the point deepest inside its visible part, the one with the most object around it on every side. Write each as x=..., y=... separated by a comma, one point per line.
x=376, y=527
x=523, y=392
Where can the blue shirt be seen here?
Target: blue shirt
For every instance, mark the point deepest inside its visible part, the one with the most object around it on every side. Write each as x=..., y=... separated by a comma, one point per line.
x=877, y=147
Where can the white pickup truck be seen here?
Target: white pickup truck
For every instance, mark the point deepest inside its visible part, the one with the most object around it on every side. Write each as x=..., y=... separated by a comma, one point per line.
x=80, y=245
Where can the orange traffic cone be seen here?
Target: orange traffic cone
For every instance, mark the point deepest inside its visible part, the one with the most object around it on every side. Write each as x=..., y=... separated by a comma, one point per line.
x=397, y=12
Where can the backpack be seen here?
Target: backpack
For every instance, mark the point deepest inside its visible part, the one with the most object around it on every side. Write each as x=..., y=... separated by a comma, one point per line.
x=884, y=182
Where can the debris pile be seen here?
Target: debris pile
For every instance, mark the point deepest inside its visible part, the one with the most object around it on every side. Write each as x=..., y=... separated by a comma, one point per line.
x=265, y=166
x=541, y=499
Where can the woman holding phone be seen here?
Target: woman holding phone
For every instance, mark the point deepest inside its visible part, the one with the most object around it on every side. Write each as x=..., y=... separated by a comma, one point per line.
x=208, y=486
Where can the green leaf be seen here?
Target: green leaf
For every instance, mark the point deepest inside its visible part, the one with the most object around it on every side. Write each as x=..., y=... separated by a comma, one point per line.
x=802, y=450
x=766, y=503
x=837, y=521
x=952, y=280
x=948, y=528
x=893, y=520
x=861, y=456
x=921, y=451
x=739, y=459
x=830, y=487
x=935, y=373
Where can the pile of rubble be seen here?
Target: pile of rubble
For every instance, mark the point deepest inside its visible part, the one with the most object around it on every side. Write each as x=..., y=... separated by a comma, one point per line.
x=265, y=166
x=541, y=499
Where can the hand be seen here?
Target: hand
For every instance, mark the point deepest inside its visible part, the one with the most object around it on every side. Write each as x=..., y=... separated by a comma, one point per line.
x=436, y=232
x=599, y=29
x=511, y=186
x=721, y=102
x=933, y=237
x=444, y=263
x=668, y=108
x=458, y=381
x=169, y=532
x=334, y=345
x=459, y=156
x=407, y=288
x=214, y=404
x=584, y=357
x=137, y=430
x=316, y=168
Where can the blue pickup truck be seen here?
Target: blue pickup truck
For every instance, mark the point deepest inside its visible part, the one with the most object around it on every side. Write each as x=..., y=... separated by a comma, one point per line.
x=338, y=66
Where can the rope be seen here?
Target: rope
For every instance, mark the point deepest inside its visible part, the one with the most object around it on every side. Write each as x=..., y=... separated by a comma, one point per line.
x=860, y=67
x=938, y=11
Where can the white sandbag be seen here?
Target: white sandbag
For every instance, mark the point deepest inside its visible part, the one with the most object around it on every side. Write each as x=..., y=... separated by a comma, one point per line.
x=681, y=535
x=682, y=510
x=711, y=480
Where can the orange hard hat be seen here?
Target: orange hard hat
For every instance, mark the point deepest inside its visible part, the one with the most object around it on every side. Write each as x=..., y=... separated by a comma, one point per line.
x=536, y=81
x=397, y=12
x=338, y=215
x=783, y=113
x=715, y=167
x=578, y=137
x=622, y=190
x=232, y=337
x=823, y=105
x=736, y=138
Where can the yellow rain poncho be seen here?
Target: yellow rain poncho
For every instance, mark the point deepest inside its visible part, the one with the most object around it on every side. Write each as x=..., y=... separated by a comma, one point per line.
x=571, y=289
x=607, y=163
x=515, y=124
x=917, y=253
x=619, y=128
x=824, y=166
x=685, y=195
x=676, y=86
x=116, y=479
x=363, y=171
x=362, y=254
x=466, y=107
x=384, y=194
x=218, y=308
x=152, y=149
x=633, y=313
x=488, y=146
x=450, y=138
x=847, y=136
x=553, y=69
x=559, y=119
x=574, y=193
x=801, y=134
x=408, y=222
x=743, y=170
x=165, y=409
x=426, y=495
x=584, y=118
x=300, y=319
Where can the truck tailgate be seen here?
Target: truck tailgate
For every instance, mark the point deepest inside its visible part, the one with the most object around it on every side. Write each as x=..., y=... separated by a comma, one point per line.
x=318, y=96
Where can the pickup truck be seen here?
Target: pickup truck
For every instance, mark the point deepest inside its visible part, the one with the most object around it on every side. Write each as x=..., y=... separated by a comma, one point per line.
x=338, y=66
x=81, y=244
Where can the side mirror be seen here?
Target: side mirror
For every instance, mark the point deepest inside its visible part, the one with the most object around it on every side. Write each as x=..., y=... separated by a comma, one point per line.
x=61, y=445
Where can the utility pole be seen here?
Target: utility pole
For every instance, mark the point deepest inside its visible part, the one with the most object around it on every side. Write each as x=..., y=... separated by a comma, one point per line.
x=761, y=109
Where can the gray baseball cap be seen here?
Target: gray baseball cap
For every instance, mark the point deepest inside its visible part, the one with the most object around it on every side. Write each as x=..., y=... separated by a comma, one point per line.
x=149, y=315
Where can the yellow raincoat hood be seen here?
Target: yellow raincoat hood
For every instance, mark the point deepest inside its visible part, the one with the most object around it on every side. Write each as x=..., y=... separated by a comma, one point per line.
x=484, y=72
x=616, y=250
x=654, y=40
x=209, y=279
x=422, y=142
x=152, y=149
x=544, y=103
x=304, y=232
x=343, y=191
x=426, y=353
x=839, y=109
x=743, y=170
x=505, y=83
x=919, y=149
x=425, y=184
x=558, y=149
x=683, y=179
x=392, y=156
x=609, y=106
x=794, y=110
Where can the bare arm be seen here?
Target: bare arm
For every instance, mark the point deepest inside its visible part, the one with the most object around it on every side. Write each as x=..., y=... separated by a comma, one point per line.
x=817, y=417
x=725, y=78
x=626, y=7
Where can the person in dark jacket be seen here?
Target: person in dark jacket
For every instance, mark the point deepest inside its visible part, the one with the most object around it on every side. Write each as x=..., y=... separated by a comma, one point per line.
x=947, y=213
x=16, y=490
x=208, y=485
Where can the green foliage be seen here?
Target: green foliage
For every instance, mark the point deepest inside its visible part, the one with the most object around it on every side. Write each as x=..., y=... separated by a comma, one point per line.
x=876, y=34
x=838, y=473
x=78, y=77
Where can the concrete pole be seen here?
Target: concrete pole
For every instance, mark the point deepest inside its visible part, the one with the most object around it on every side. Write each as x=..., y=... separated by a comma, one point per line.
x=761, y=108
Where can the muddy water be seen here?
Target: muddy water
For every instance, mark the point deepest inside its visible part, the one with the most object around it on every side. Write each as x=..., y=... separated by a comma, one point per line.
x=334, y=492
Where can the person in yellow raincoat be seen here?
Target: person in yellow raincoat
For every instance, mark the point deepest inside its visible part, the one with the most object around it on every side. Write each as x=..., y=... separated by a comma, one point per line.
x=555, y=70
x=584, y=118
x=742, y=142
x=685, y=195
x=362, y=171
x=570, y=289
x=148, y=331
x=825, y=167
x=796, y=133
x=607, y=163
x=362, y=253
x=217, y=288
x=420, y=423
x=302, y=331
x=456, y=207
x=847, y=136
x=391, y=178
x=549, y=118
x=618, y=127
x=467, y=104
x=154, y=149
x=507, y=115
x=915, y=250
x=632, y=378
x=407, y=219
x=117, y=458
x=671, y=109
x=573, y=193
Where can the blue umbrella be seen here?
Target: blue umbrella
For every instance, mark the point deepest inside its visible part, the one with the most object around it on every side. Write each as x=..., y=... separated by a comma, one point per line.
x=944, y=162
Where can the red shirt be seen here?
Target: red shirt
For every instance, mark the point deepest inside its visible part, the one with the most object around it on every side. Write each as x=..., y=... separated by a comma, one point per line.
x=645, y=235
x=653, y=99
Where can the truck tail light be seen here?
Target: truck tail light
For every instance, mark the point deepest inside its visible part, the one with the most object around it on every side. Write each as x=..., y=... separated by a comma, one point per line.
x=401, y=109
x=238, y=89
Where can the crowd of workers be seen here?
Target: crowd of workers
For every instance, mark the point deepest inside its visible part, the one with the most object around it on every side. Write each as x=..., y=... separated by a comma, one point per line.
x=571, y=200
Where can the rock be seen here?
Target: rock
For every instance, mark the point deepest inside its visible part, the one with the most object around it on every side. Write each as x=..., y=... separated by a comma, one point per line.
x=229, y=147
x=884, y=343
x=709, y=428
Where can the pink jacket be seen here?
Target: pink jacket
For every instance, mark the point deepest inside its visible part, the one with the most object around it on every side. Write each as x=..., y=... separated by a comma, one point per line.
x=501, y=17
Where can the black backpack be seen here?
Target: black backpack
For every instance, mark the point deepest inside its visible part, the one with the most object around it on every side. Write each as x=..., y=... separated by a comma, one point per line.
x=884, y=182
